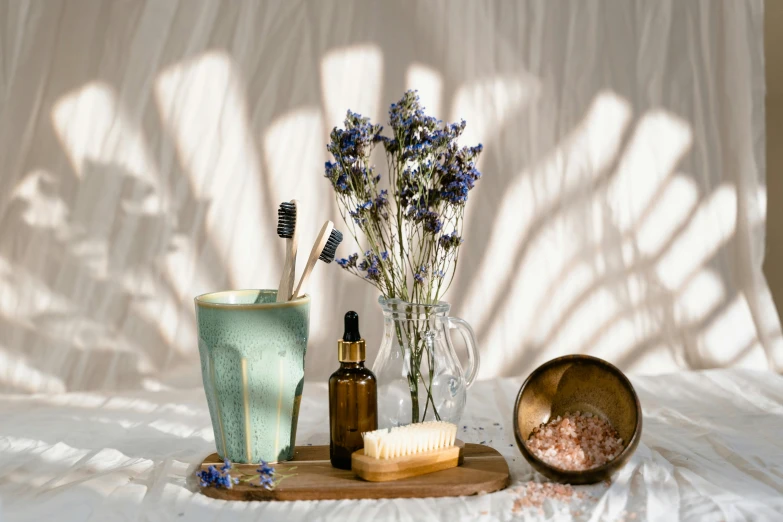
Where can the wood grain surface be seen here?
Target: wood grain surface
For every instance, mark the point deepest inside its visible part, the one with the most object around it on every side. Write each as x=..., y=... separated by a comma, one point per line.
x=384, y=470
x=312, y=477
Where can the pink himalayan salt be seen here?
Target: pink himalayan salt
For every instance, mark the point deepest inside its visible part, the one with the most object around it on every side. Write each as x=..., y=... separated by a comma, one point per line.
x=575, y=442
x=534, y=494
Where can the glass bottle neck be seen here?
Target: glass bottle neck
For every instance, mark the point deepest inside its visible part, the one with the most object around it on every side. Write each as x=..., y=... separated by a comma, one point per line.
x=349, y=365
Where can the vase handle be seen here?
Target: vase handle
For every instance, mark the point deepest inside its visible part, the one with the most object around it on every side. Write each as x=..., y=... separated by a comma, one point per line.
x=470, y=341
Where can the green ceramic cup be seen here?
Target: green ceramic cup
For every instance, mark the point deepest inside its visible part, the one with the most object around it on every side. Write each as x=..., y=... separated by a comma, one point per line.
x=252, y=364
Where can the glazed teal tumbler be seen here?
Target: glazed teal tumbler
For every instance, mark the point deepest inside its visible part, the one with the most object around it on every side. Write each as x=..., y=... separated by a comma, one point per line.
x=252, y=363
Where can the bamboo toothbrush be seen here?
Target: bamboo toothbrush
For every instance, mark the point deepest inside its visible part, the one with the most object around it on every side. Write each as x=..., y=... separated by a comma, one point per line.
x=324, y=248
x=407, y=451
x=287, y=229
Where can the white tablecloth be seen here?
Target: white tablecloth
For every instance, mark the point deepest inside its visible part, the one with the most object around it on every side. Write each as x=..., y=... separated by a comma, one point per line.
x=712, y=450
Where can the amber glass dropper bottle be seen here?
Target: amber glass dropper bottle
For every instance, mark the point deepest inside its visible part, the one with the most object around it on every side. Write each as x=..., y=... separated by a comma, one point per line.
x=353, y=400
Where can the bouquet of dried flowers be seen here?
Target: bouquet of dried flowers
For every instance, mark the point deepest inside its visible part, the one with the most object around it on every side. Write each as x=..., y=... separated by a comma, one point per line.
x=411, y=225
x=413, y=229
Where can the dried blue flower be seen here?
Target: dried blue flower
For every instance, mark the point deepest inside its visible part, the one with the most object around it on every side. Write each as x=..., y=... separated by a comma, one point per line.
x=373, y=269
x=371, y=264
x=266, y=482
x=265, y=469
x=358, y=216
x=422, y=215
x=449, y=241
x=337, y=176
x=457, y=172
x=225, y=481
x=433, y=224
x=218, y=478
x=421, y=274
x=382, y=200
x=348, y=262
x=265, y=476
x=373, y=272
x=351, y=149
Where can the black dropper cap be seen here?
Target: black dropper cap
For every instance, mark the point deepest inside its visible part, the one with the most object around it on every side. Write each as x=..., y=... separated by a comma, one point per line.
x=352, y=334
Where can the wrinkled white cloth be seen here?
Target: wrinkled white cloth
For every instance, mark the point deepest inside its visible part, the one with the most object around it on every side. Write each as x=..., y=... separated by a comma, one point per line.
x=711, y=450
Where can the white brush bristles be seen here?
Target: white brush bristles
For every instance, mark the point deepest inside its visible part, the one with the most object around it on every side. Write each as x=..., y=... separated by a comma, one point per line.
x=409, y=440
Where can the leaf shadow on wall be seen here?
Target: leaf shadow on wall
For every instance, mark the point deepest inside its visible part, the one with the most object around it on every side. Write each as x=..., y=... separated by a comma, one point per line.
x=102, y=247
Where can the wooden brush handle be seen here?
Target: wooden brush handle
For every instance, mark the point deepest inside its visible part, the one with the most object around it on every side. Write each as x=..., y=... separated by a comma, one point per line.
x=382, y=470
x=292, y=271
x=287, y=278
x=318, y=247
x=286, y=285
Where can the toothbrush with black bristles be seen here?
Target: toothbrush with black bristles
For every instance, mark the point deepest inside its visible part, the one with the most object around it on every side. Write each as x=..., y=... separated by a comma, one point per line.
x=286, y=229
x=324, y=248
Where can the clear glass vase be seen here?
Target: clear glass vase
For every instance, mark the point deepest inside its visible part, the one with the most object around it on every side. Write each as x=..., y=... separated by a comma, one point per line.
x=419, y=374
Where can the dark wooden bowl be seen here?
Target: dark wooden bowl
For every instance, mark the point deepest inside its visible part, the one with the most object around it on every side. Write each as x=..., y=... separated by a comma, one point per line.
x=578, y=383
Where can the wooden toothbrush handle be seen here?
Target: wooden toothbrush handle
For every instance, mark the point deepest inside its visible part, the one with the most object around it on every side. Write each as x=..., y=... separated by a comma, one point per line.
x=287, y=277
x=292, y=271
x=293, y=246
x=318, y=247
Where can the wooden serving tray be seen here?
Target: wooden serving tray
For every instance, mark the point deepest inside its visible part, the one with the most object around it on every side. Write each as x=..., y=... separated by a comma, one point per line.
x=483, y=470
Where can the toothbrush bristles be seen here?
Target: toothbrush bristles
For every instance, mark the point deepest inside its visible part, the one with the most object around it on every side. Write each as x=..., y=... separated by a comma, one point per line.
x=330, y=249
x=286, y=220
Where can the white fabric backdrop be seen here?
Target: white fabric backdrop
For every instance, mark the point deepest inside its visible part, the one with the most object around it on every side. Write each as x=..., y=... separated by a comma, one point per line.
x=144, y=147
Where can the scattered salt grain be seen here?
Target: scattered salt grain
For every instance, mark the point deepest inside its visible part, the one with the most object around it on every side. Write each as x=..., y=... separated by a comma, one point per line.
x=575, y=442
x=534, y=494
